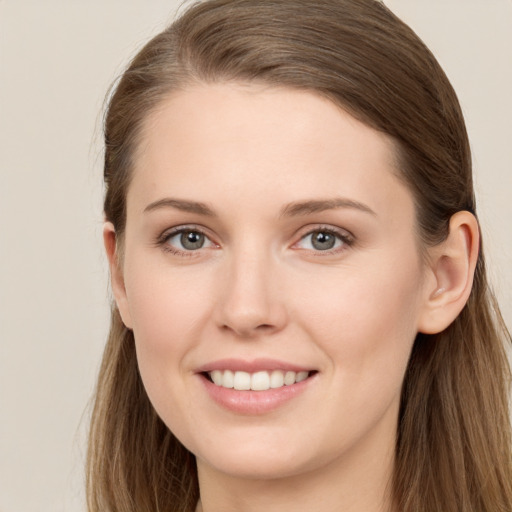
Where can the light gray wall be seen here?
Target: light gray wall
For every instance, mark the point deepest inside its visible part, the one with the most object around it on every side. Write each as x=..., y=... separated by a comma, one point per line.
x=57, y=59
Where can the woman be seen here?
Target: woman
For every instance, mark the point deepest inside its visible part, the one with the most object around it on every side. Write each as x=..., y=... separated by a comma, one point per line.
x=302, y=319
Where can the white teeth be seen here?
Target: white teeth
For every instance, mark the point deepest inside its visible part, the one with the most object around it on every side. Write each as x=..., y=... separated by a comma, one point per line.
x=259, y=381
x=276, y=379
x=242, y=381
x=216, y=376
x=289, y=378
x=301, y=376
x=228, y=379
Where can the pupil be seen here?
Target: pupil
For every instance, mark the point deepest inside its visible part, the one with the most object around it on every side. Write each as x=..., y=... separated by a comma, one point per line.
x=323, y=241
x=192, y=240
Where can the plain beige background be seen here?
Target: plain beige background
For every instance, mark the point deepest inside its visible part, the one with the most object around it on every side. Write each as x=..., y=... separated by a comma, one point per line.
x=56, y=62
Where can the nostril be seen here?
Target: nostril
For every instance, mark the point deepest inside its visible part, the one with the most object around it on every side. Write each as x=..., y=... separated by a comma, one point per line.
x=265, y=327
x=249, y=331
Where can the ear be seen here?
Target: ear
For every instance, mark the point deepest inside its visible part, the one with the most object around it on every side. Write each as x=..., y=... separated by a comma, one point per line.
x=116, y=272
x=450, y=271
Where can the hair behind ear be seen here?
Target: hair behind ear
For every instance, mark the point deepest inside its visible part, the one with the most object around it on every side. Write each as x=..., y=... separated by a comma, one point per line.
x=134, y=462
x=454, y=446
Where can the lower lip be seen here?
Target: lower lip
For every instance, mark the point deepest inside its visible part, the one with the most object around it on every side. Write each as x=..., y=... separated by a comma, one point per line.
x=254, y=402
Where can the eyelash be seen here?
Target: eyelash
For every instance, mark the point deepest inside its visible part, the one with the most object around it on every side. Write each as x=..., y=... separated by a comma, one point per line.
x=164, y=238
x=346, y=239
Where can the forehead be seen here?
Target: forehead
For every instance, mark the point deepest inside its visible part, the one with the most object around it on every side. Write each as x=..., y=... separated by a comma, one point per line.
x=211, y=142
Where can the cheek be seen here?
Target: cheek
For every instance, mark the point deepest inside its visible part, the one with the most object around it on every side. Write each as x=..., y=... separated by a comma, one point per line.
x=161, y=298
x=168, y=310
x=366, y=322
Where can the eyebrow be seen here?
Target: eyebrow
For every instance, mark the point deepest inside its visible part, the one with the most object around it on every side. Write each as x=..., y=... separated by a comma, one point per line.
x=294, y=209
x=179, y=204
x=321, y=205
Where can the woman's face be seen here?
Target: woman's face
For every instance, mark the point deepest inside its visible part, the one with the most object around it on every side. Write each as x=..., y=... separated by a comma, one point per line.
x=269, y=245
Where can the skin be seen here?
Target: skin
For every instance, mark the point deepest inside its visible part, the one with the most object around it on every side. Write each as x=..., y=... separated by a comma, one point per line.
x=258, y=288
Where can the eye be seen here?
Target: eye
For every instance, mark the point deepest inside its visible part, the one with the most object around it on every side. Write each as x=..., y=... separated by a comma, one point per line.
x=324, y=240
x=185, y=240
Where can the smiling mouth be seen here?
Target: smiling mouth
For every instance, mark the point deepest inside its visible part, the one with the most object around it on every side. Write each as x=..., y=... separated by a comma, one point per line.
x=258, y=381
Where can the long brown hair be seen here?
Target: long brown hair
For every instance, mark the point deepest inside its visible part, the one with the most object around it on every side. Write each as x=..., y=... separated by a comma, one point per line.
x=453, y=448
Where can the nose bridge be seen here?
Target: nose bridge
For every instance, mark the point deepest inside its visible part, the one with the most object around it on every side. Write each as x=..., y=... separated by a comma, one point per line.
x=251, y=301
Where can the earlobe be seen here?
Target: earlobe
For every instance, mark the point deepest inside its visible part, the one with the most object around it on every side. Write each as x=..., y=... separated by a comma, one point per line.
x=451, y=269
x=116, y=274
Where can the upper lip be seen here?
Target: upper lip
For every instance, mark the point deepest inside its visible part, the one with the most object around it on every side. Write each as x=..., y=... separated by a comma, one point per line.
x=256, y=365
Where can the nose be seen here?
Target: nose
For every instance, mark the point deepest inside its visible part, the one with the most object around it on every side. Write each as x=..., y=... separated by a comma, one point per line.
x=251, y=300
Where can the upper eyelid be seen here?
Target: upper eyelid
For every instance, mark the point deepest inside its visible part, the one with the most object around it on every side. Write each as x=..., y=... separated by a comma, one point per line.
x=169, y=232
x=308, y=230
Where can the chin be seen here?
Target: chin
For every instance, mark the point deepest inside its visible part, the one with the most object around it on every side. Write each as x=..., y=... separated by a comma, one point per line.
x=260, y=459
x=257, y=468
